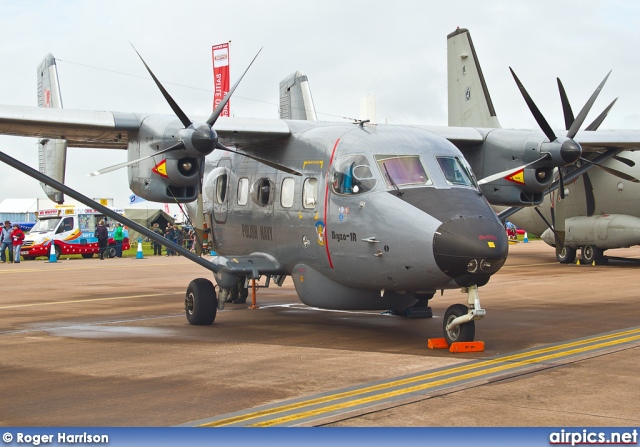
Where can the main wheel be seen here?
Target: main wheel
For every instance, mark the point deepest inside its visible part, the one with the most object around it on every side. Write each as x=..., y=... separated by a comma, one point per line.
x=58, y=251
x=200, y=302
x=567, y=255
x=591, y=253
x=463, y=332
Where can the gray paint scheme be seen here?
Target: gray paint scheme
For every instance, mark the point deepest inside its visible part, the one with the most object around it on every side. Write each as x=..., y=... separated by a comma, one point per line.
x=613, y=221
x=296, y=102
x=52, y=153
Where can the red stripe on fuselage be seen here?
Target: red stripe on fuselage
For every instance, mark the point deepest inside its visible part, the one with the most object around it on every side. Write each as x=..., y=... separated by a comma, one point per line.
x=326, y=203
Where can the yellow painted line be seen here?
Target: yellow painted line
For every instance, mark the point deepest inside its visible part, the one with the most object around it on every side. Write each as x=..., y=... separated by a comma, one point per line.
x=89, y=300
x=396, y=393
x=410, y=380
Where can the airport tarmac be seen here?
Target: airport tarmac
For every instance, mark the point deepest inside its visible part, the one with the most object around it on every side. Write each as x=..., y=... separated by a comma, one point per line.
x=106, y=343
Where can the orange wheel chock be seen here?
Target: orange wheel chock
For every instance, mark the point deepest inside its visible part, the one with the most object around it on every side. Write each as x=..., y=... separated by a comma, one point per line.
x=438, y=343
x=467, y=346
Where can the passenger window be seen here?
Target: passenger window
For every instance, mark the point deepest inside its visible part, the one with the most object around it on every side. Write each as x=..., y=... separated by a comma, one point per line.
x=243, y=191
x=310, y=193
x=221, y=188
x=288, y=190
x=351, y=175
x=262, y=192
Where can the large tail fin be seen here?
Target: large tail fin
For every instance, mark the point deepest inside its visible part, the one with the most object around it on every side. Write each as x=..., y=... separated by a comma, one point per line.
x=296, y=102
x=469, y=101
x=52, y=154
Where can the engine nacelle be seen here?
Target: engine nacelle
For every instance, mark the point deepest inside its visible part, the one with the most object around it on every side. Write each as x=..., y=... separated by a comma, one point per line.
x=169, y=177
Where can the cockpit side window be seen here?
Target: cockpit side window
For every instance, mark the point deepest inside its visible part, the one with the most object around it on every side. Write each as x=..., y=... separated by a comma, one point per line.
x=351, y=175
x=402, y=170
x=455, y=172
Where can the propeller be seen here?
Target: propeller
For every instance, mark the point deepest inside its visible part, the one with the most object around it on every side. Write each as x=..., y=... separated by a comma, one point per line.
x=199, y=139
x=569, y=149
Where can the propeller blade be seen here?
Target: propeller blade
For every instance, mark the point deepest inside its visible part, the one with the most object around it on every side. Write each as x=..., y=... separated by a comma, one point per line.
x=588, y=192
x=612, y=171
x=175, y=147
x=218, y=110
x=550, y=226
x=573, y=130
x=186, y=122
x=626, y=161
x=508, y=172
x=271, y=164
x=534, y=109
x=559, y=225
x=561, y=180
x=566, y=107
x=596, y=123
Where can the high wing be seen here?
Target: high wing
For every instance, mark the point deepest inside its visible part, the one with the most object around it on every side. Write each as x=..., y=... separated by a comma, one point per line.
x=113, y=130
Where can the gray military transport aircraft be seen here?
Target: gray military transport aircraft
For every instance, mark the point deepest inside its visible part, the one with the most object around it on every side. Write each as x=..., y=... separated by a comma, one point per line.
x=592, y=211
x=361, y=216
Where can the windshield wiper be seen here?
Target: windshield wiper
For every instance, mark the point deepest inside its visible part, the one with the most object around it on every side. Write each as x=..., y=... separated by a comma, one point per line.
x=395, y=186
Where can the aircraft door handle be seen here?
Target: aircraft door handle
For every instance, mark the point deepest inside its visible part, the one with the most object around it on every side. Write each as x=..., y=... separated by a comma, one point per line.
x=371, y=240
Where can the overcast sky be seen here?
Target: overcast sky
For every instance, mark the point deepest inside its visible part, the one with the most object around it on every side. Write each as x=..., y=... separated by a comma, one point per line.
x=348, y=49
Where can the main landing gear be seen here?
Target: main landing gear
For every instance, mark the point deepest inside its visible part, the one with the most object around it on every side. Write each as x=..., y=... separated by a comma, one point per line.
x=459, y=320
x=200, y=302
x=590, y=254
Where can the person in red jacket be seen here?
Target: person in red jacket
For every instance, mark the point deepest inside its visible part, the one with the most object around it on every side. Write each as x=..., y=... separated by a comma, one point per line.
x=17, y=236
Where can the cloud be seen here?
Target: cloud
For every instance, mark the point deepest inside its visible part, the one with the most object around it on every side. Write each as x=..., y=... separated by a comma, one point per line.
x=395, y=50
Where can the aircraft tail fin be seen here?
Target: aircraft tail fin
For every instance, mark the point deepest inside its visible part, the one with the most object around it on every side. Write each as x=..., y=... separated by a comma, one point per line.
x=470, y=104
x=52, y=154
x=296, y=102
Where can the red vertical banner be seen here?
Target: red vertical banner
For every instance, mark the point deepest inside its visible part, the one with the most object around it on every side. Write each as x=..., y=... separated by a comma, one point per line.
x=220, y=54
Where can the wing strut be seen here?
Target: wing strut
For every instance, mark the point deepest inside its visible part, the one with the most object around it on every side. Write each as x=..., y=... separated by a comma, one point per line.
x=106, y=211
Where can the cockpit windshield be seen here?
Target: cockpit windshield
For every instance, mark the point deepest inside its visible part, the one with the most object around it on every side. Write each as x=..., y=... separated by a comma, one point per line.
x=455, y=172
x=402, y=170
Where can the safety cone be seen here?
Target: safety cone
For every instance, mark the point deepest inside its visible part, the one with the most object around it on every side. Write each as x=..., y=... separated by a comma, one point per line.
x=139, y=252
x=526, y=237
x=52, y=253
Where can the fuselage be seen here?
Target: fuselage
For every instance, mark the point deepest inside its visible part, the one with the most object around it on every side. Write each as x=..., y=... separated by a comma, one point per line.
x=379, y=208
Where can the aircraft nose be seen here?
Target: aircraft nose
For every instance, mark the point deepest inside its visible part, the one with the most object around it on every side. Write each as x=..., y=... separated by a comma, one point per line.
x=470, y=250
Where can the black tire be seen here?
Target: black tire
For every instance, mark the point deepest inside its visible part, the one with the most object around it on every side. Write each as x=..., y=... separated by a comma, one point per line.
x=200, y=302
x=87, y=255
x=28, y=258
x=110, y=252
x=566, y=256
x=462, y=333
x=58, y=251
x=591, y=253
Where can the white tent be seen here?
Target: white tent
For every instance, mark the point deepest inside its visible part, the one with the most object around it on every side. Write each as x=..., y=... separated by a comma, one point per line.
x=18, y=210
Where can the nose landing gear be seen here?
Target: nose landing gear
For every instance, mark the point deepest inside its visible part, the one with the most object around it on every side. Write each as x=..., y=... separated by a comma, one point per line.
x=459, y=320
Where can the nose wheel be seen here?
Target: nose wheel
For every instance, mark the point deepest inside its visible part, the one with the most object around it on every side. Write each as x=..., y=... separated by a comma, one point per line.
x=461, y=332
x=459, y=320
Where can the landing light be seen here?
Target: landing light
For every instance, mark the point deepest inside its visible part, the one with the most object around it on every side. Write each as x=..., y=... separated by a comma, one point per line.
x=472, y=266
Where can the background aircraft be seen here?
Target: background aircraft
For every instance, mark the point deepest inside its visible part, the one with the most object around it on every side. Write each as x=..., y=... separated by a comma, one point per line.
x=600, y=205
